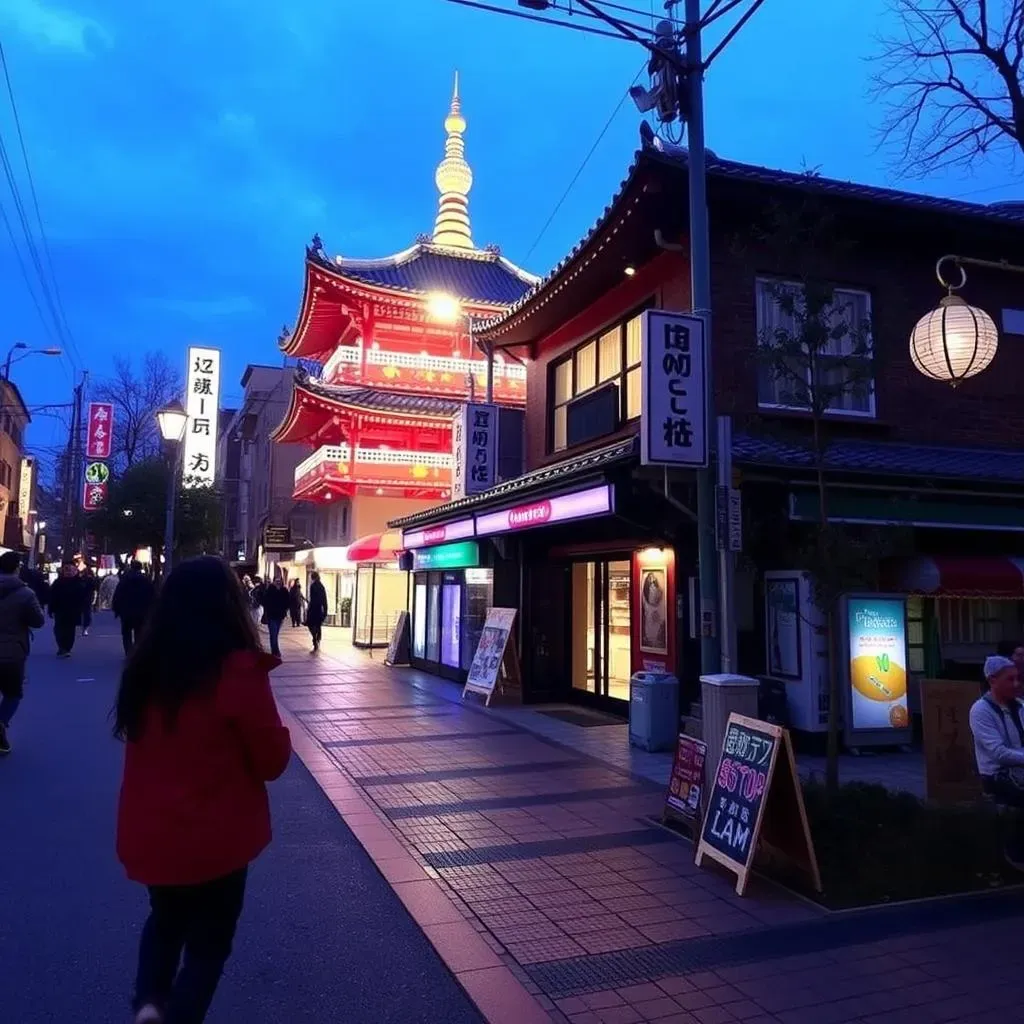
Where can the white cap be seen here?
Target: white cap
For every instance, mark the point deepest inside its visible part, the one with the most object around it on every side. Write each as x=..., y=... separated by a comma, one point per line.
x=995, y=663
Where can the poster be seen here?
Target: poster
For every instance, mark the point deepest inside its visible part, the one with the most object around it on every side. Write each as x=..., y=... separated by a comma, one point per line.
x=782, y=628
x=877, y=660
x=483, y=671
x=686, y=783
x=654, y=610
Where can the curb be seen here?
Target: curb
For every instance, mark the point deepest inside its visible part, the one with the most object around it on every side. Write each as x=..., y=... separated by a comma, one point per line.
x=495, y=991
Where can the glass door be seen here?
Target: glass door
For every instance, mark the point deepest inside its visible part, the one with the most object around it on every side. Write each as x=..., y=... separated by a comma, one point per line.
x=601, y=628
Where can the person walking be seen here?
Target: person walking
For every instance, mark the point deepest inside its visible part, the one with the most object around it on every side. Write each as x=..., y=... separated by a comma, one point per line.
x=37, y=581
x=295, y=603
x=66, y=608
x=276, y=603
x=90, y=586
x=20, y=612
x=256, y=593
x=316, y=610
x=131, y=604
x=202, y=738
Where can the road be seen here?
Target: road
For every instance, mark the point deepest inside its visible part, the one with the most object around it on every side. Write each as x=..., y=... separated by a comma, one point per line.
x=323, y=937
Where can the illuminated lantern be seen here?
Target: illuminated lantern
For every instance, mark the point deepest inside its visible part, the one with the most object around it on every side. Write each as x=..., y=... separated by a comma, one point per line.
x=953, y=342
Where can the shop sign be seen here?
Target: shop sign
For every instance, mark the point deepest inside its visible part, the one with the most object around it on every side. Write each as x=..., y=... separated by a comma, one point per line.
x=474, y=449
x=198, y=467
x=26, y=485
x=673, y=416
x=100, y=431
x=876, y=664
x=686, y=783
x=422, y=538
x=94, y=495
x=277, y=538
x=447, y=556
x=594, y=501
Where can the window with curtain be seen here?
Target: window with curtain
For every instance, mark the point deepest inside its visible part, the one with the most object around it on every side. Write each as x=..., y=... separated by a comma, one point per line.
x=850, y=322
x=612, y=357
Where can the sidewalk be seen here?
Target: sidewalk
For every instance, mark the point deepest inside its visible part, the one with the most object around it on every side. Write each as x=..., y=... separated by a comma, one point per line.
x=547, y=870
x=322, y=938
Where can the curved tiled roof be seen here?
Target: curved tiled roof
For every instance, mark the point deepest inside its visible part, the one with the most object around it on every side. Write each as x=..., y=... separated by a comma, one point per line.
x=473, y=275
x=378, y=400
x=655, y=150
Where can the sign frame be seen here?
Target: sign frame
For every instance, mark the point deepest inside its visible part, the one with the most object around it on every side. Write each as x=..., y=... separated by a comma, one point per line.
x=867, y=737
x=423, y=559
x=504, y=664
x=662, y=377
x=542, y=511
x=430, y=536
x=470, y=451
x=99, y=436
x=933, y=708
x=674, y=808
x=202, y=403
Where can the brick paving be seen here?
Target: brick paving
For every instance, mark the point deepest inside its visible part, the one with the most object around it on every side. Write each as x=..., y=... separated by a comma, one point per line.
x=554, y=859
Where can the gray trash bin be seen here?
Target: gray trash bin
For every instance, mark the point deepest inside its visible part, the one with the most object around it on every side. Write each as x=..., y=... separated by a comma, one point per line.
x=653, y=710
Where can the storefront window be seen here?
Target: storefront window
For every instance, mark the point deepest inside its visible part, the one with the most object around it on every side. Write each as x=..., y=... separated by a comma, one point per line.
x=419, y=621
x=381, y=594
x=434, y=620
x=451, y=609
x=602, y=628
x=479, y=598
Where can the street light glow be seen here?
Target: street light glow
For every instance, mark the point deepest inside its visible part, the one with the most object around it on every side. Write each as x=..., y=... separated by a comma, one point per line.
x=444, y=307
x=171, y=419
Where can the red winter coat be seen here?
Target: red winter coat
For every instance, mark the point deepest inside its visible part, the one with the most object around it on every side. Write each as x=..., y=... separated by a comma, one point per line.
x=193, y=799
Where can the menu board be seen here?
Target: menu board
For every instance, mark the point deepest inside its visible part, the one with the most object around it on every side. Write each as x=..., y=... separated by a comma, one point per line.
x=876, y=633
x=756, y=791
x=951, y=773
x=490, y=652
x=398, y=646
x=686, y=783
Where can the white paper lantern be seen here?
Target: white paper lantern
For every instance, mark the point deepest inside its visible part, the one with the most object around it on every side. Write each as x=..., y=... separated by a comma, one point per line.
x=953, y=342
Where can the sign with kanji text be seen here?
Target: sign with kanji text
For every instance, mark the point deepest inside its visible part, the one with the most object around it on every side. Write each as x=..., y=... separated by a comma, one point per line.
x=99, y=436
x=94, y=495
x=673, y=412
x=198, y=464
x=474, y=449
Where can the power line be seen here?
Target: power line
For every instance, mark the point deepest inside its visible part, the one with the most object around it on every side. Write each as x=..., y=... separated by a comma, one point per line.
x=535, y=17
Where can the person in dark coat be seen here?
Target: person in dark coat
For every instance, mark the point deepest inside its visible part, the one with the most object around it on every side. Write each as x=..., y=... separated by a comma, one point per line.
x=276, y=603
x=20, y=613
x=316, y=610
x=38, y=583
x=66, y=608
x=296, y=601
x=131, y=604
x=90, y=586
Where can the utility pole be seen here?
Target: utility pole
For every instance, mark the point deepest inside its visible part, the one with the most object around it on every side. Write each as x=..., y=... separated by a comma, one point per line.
x=73, y=467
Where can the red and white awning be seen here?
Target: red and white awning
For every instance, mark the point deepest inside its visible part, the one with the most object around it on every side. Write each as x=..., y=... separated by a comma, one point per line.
x=376, y=547
x=942, y=576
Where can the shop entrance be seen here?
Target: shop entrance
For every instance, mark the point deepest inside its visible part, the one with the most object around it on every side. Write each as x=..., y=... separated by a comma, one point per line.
x=601, y=619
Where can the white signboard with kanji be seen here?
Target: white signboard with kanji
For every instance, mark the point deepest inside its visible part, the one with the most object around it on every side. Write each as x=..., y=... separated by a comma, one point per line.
x=474, y=449
x=100, y=430
x=198, y=464
x=673, y=419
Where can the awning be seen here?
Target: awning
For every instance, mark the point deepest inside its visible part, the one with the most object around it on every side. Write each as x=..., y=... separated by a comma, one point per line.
x=941, y=576
x=376, y=547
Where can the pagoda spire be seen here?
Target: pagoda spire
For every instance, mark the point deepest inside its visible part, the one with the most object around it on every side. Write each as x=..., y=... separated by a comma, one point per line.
x=454, y=179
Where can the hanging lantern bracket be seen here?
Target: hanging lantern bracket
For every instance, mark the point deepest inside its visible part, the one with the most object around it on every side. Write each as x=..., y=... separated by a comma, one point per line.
x=961, y=261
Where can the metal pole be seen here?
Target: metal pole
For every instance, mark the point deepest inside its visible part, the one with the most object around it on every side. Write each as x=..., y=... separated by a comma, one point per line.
x=700, y=301
x=172, y=494
x=726, y=559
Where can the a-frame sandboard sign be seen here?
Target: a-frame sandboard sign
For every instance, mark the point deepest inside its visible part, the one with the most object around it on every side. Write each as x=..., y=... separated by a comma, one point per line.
x=756, y=800
x=495, y=666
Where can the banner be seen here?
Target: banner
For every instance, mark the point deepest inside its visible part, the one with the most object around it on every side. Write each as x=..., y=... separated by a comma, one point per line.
x=198, y=464
x=99, y=431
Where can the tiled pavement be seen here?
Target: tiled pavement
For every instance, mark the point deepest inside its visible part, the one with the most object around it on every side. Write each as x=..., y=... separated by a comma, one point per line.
x=538, y=874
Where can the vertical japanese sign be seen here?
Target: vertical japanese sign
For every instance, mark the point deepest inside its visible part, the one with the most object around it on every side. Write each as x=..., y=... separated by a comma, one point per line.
x=474, y=449
x=673, y=418
x=99, y=443
x=26, y=487
x=198, y=464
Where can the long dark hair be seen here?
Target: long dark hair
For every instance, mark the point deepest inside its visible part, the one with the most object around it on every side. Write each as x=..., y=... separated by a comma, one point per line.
x=199, y=617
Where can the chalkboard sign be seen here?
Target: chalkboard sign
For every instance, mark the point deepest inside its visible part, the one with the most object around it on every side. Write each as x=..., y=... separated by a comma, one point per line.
x=756, y=791
x=686, y=783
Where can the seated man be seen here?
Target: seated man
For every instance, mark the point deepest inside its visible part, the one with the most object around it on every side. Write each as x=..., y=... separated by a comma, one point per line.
x=997, y=724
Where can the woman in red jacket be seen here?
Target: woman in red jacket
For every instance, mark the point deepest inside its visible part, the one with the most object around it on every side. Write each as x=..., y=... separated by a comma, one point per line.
x=202, y=739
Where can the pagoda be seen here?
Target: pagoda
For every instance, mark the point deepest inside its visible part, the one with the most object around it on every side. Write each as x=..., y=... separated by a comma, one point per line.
x=394, y=338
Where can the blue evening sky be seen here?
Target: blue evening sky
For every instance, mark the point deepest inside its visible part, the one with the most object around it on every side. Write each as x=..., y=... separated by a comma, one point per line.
x=185, y=153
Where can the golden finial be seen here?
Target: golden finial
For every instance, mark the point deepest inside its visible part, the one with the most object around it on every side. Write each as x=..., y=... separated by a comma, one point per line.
x=454, y=179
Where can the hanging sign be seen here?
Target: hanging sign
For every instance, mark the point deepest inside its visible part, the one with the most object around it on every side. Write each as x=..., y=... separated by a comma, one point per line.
x=594, y=501
x=474, y=449
x=686, y=782
x=756, y=799
x=493, y=653
x=198, y=464
x=26, y=488
x=94, y=495
x=673, y=415
x=99, y=438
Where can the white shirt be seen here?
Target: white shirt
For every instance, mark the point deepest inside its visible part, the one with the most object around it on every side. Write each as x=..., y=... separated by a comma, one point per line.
x=997, y=741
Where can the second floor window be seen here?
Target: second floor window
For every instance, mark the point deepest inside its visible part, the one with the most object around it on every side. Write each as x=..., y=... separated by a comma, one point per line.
x=613, y=357
x=841, y=357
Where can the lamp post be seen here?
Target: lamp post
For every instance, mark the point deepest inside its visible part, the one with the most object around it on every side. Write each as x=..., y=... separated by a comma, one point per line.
x=52, y=351
x=956, y=340
x=447, y=309
x=171, y=420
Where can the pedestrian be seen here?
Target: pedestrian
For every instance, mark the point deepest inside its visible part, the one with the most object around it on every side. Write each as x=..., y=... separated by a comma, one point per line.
x=90, y=587
x=1014, y=650
x=66, y=608
x=256, y=601
x=997, y=725
x=276, y=603
x=295, y=603
x=20, y=612
x=202, y=738
x=106, y=593
x=316, y=610
x=131, y=604
x=37, y=581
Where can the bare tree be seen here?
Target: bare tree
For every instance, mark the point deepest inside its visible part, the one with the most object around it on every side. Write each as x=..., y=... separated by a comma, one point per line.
x=950, y=78
x=136, y=396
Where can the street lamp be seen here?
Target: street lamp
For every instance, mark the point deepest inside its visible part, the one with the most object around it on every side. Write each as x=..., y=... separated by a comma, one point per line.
x=50, y=351
x=956, y=340
x=171, y=420
x=447, y=309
